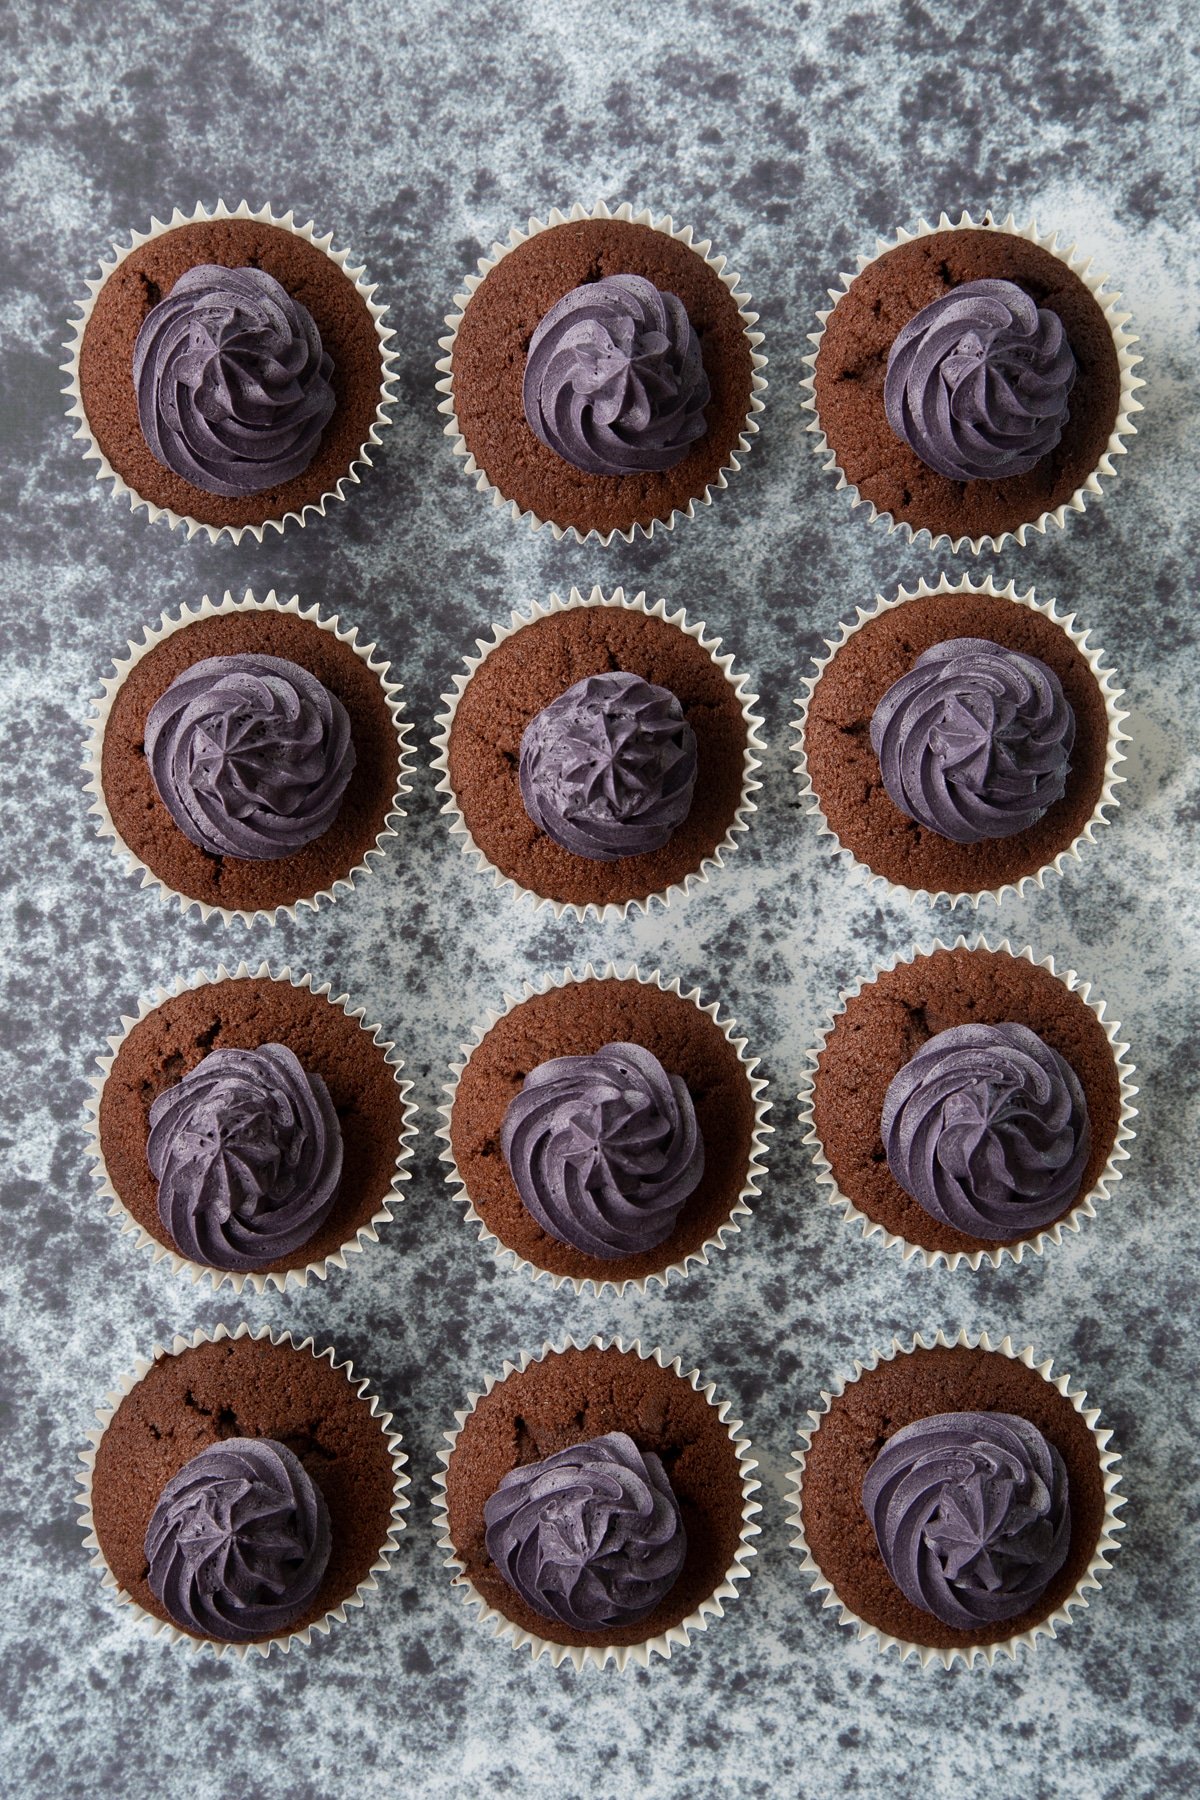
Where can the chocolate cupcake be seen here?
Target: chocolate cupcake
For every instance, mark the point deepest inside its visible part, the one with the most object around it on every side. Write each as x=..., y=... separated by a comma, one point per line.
x=646, y=1464
x=249, y=758
x=601, y=374
x=968, y=1105
x=606, y=1130
x=961, y=741
x=598, y=755
x=954, y=1500
x=229, y=371
x=972, y=381
x=250, y=1129
x=286, y=1459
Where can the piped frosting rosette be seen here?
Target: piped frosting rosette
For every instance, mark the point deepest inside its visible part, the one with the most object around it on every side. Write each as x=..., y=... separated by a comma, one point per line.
x=1027, y=391
x=220, y=730
x=1008, y=747
x=593, y=1536
x=971, y=1513
x=986, y=1127
x=604, y=1150
x=573, y=750
x=653, y=403
x=247, y=1152
x=238, y=1539
x=226, y=441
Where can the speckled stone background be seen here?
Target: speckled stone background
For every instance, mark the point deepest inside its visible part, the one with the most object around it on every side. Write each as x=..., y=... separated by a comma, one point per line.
x=790, y=134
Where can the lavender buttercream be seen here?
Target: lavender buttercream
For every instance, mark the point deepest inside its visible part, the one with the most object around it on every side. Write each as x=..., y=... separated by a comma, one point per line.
x=987, y=1128
x=974, y=741
x=250, y=755
x=238, y=1541
x=978, y=382
x=233, y=386
x=614, y=380
x=972, y=1515
x=247, y=1153
x=591, y=1536
x=604, y=1149
x=608, y=769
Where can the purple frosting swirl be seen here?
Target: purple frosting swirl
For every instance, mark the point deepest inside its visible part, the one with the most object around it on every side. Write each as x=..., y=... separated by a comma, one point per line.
x=971, y=1514
x=609, y=768
x=591, y=1536
x=974, y=741
x=232, y=384
x=614, y=381
x=987, y=1128
x=604, y=1149
x=978, y=382
x=250, y=755
x=247, y=1153
x=239, y=1541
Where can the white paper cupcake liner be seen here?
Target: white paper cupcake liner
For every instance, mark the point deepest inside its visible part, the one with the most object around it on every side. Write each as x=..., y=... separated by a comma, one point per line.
x=595, y=1656
x=756, y=1169
x=101, y=707
x=202, y=215
x=1114, y=754
x=758, y=363
x=611, y=911
x=1034, y=1245
x=1100, y=1561
x=1123, y=341
x=256, y=1281
x=287, y=1640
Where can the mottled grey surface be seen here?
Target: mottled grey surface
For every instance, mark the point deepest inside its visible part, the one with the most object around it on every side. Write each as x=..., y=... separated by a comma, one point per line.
x=790, y=133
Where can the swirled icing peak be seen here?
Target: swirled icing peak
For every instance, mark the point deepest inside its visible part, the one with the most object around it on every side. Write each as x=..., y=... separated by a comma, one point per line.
x=247, y=1153
x=250, y=755
x=978, y=382
x=609, y=768
x=591, y=1536
x=614, y=381
x=987, y=1128
x=238, y=1541
x=974, y=741
x=604, y=1149
x=971, y=1514
x=232, y=384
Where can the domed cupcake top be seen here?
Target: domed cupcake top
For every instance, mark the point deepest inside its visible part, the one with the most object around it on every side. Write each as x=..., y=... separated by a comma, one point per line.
x=974, y=741
x=247, y=1153
x=614, y=381
x=250, y=754
x=233, y=385
x=608, y=769
x=238, y=1541
x=971, y=1513
x=978, y=382
x=987, y=1128
x=604, y=1149
x=591, y=1536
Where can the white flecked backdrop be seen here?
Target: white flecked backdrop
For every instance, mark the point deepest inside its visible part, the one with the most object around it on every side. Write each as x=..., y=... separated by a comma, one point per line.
x=790, y=134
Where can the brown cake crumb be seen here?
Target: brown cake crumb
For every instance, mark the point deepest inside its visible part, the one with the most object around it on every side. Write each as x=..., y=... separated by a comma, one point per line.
x=883, y=1027
x=566, y=1399
x=534, y=666
x=146, y=826
x=244, y=1387
x=845, y=771
x=868, y=1413
x=489, y=370
x=147, y=276
x=852, y=363
x=578, y=1020
x=243, y=1015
